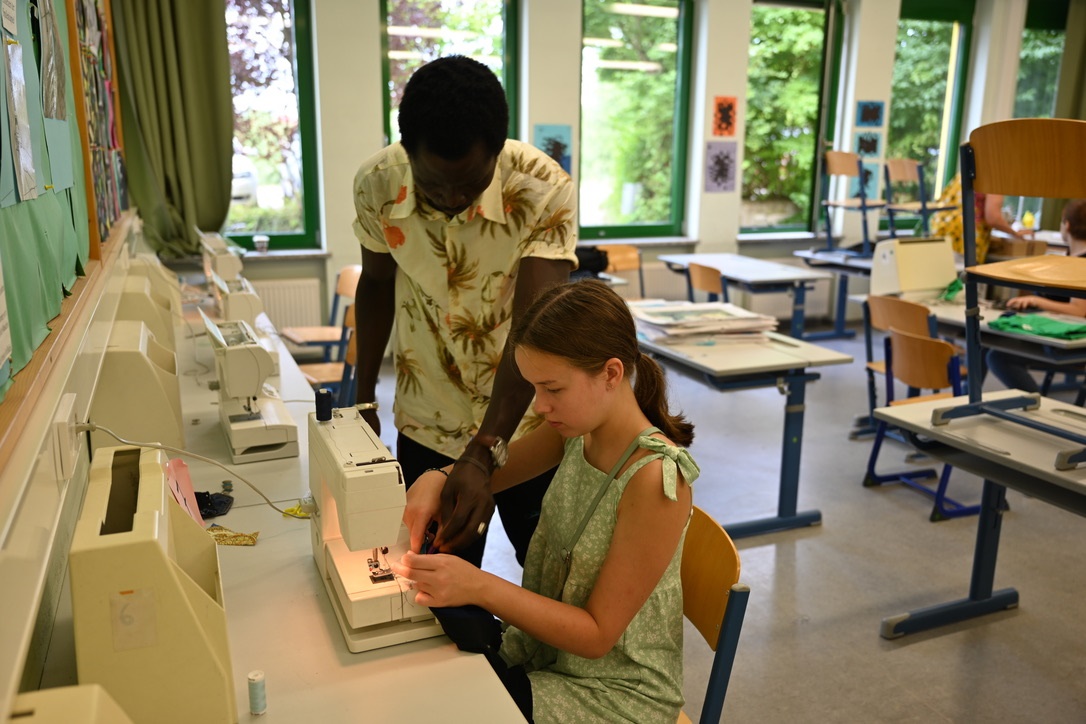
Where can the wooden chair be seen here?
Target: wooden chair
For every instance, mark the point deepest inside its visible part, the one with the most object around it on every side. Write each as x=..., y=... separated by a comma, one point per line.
x=339, y=377
x=706, y=279
x=334, y=334
x=847, y=165
x=714, y=601
x=626, y=257
x=907, y=171
x=922, y=363
x=882, y=313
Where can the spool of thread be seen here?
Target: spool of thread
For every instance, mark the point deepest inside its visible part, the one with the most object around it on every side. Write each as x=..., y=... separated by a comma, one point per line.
x=258, y=699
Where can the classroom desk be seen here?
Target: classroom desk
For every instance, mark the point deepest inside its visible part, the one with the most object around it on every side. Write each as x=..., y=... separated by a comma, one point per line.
x=778, y=361
x=844, y=265
x=950, y=317
x=760, y=276
x=1005, y=455
x=278, y=613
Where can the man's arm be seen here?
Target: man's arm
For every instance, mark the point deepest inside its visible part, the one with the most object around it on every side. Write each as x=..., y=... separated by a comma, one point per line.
x=374, y=309
x=466, y=500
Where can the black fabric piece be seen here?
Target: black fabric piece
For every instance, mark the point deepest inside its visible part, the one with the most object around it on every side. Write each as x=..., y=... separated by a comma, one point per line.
x=213, y=505
x=476, y=630
x=591, y=259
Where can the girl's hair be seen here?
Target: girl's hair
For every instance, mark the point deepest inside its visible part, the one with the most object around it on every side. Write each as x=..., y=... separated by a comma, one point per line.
x=587, y=323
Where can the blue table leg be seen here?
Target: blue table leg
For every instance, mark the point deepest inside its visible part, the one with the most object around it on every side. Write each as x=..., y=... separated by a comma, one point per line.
x=840, y=304
x=787, y=517
x=982, y=600
x=799, y=294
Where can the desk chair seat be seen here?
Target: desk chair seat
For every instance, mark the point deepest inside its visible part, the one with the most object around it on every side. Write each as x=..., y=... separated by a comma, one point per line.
x=331, y=336
x=922, y=363
x=714, y=601
x=907, y=171
x=339, y=377
x=706, y=279
x=847, y=165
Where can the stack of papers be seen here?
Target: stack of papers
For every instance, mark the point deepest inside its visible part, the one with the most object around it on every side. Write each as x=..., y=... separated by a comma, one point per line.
x=657, y=320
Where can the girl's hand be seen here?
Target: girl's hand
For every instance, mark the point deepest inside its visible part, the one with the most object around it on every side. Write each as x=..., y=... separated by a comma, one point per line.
x=1024, y=302
x=441, y=580
x=423, y=506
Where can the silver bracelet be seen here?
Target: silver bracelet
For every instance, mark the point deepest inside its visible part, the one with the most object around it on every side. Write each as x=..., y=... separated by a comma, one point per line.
x=367, y=406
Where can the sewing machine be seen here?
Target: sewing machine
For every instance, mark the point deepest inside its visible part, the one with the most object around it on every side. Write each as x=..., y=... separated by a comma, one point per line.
x=357, y=530
x=236, y=298
x=257, y=423
x=220, y=257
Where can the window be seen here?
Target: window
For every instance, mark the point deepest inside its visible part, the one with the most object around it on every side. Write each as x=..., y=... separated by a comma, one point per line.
x=422, y=30
x=635, y=69
x=274, y=190
x=1038, y=80
x=920, y=106
x=784, y=90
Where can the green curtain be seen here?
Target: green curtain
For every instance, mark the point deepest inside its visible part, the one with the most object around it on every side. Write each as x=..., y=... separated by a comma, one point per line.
x=177, y=114
x=1071, y=95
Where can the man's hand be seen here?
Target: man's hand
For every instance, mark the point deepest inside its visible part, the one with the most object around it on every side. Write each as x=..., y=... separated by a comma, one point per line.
x=466, y=506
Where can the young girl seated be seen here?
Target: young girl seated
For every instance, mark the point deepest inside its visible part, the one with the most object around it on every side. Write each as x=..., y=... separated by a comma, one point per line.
x=595, y=633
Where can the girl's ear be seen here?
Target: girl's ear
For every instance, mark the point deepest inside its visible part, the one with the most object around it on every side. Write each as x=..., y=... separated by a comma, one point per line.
x=614, y=371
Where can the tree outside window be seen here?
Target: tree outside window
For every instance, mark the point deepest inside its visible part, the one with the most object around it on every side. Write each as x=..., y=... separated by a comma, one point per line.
x=783, y=79
x=267, y=190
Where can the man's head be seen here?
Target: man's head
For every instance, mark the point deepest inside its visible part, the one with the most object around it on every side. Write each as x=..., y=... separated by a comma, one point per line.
x=1074, y=220
x=453, y=124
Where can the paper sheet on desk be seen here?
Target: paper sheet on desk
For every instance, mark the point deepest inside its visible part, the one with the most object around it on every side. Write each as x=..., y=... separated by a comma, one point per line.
x=177, y=473
x=683, y=319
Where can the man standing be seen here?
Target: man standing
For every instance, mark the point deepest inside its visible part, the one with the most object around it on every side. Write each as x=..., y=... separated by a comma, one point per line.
x=461, y=229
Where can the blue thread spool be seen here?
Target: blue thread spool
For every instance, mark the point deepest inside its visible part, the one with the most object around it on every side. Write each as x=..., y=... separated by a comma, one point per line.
x=258, y=700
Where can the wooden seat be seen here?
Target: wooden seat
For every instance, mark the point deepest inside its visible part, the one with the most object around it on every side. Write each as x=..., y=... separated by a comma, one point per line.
x=847, y=165
x=907, y=171
x=331, y=336
x=337, y=376
x=705, y=279
x=922, y=363
x=714, y=602
x=626, y=257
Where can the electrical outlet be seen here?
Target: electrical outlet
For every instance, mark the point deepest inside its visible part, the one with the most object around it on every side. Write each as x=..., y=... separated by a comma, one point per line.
x=65, y=438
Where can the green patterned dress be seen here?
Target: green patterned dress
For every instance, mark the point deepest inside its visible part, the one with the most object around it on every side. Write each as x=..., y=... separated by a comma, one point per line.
x=640, y=679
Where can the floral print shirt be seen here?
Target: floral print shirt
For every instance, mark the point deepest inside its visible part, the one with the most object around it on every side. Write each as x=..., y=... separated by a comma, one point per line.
x=454, y=288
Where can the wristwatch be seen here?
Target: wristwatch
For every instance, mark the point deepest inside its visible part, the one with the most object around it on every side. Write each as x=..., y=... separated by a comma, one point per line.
x=499, y=450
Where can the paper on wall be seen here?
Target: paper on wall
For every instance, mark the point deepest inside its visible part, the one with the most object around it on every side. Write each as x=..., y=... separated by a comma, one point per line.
x=8, y=11
x=19, y=122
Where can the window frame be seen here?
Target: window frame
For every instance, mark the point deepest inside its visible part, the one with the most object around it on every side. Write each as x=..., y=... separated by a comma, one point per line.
x=675, y=226
x=304, y=82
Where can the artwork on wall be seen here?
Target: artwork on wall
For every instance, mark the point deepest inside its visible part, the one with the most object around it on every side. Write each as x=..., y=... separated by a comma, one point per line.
x=868, y=144
x=870, y=181
x=556, y=141
x=721, y=159
x=724, y=115
x=109, y=195
x=869, y=113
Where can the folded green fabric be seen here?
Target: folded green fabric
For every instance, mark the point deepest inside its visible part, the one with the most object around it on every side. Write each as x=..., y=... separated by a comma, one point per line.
x=1040, y=324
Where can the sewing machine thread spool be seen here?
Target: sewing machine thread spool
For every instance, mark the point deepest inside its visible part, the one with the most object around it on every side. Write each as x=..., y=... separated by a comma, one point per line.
x=324, y=404
x=258, y=700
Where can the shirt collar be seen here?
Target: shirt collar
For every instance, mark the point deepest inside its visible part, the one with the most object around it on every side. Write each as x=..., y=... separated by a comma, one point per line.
x=489, y=204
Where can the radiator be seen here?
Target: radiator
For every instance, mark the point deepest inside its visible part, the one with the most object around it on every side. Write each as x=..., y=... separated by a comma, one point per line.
x=291, y=303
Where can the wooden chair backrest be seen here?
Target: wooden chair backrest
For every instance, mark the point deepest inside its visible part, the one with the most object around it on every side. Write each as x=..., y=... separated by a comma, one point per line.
x=622, y=257
x=842, y=163
x=705, y=279
x=350, y=355
x=920, y=361
x=1030, y=157
x=903, y=170
x=710, y=567
x=347, y=281
x=887, y=312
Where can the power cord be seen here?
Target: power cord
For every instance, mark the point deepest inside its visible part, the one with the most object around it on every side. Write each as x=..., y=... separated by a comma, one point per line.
x=88, y=426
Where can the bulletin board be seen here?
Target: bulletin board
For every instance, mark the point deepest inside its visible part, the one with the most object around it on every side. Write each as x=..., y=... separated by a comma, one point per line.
x=61, y=179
